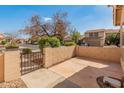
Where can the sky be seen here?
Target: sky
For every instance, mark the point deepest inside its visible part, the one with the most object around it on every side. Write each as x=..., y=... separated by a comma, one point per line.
x=84, y=17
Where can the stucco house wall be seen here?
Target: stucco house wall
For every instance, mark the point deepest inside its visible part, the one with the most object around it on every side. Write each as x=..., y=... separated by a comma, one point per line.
x=93, y=41
x=100, y=39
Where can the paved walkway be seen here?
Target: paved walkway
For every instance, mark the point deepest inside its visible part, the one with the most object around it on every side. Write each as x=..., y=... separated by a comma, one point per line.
x=73, y=73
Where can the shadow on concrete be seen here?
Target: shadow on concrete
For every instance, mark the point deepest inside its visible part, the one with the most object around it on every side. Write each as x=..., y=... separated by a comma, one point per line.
x=86, y=77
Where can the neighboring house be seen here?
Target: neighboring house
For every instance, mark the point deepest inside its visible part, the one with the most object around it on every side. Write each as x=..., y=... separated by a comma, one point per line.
x=19, y=40
x=67, y=38
x=97, y=37
x=1, y=36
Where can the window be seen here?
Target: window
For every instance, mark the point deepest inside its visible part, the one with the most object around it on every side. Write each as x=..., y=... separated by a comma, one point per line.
x=87, y=34
x=91, y=34
x=94, y=35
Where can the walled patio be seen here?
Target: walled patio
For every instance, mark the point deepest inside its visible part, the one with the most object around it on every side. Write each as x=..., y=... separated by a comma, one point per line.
x=73, y=66
x=73, y=73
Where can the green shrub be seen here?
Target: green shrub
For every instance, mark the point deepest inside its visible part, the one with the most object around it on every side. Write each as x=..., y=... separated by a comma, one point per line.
x=75, y=35
x=54, y=42
x=48, y=42
x=111, y=39
x=3, y=42
x=69, y=43
x=43, y=42
x=26, y=51
x=12, y=47
x=62, y=42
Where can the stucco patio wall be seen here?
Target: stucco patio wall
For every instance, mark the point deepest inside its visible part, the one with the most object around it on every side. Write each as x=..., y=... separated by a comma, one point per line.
x=107, y=54
x=1, y=67
x=54, y=56
x=11, y=65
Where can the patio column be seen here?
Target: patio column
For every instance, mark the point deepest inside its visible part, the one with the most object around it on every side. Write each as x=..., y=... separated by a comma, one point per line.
x=121, y=28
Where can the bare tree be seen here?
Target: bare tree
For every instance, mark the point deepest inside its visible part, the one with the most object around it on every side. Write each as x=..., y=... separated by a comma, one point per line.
x=60, y=25
x=36, y=28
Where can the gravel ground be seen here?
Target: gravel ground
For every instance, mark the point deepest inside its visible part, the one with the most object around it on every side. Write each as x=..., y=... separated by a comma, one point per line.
x=13, y=84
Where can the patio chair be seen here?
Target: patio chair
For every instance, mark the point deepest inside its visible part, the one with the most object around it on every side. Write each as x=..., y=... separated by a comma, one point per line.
x=110, y=82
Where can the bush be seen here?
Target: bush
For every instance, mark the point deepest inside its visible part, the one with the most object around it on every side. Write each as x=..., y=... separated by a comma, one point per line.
x=111, y=39
x=3, y=42
x=26, y=51
x=75, y=35
x=12, y=47
x=54, y=42
x=69, y=43
x=43, y=42
x=48, y=42
x=62, y=42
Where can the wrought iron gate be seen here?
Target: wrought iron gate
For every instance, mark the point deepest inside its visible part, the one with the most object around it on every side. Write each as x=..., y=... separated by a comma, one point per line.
x=31, y=62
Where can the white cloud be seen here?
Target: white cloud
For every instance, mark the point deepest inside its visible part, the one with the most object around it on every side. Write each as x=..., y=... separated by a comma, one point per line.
x=47, y=19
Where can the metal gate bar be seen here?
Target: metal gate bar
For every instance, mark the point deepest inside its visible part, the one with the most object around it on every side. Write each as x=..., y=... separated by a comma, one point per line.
x=31, y=62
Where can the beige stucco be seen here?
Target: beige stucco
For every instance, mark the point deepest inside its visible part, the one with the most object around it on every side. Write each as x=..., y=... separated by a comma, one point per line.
x=54, y=56
x=12, y=65
x=93, y=41
x=1, y=67
x=122, y=58
x=107, y=54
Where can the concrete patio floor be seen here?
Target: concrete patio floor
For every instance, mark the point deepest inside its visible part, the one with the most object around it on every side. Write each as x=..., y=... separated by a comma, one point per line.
x=74, y=73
